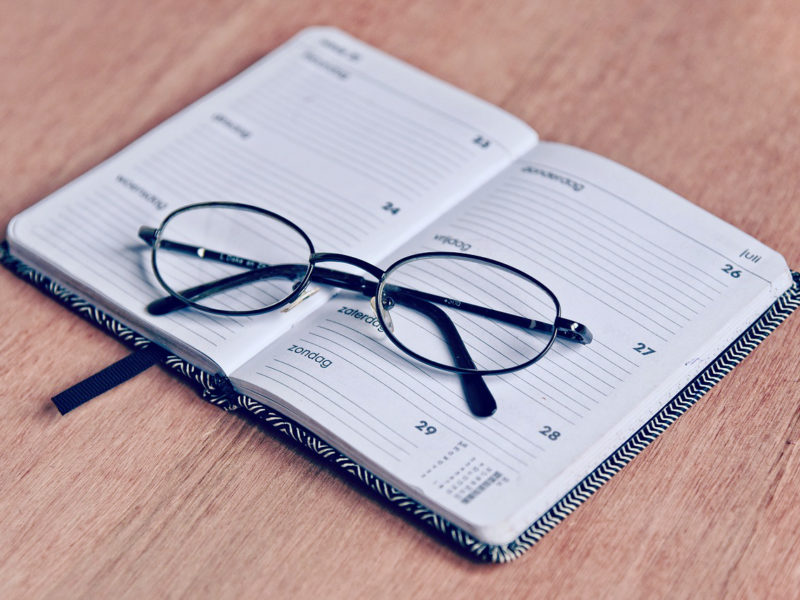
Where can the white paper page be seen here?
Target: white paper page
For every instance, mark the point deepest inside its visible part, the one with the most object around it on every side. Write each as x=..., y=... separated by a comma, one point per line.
x=663, y=285
x=356, y=147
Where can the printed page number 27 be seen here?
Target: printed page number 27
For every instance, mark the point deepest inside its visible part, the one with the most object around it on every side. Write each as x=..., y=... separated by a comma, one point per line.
x=643, y=349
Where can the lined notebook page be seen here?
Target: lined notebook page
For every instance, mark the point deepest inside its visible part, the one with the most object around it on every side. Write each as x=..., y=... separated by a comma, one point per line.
x=357, y=148
x=663, y=285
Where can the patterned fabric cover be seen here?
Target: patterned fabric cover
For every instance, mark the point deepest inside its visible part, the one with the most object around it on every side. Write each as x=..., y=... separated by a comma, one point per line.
x=218, y=391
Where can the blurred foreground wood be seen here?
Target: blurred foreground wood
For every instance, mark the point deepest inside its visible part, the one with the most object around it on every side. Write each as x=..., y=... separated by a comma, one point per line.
x=149, y=492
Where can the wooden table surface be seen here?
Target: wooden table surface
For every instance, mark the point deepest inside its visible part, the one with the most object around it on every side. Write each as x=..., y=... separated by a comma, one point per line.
x=150, y=492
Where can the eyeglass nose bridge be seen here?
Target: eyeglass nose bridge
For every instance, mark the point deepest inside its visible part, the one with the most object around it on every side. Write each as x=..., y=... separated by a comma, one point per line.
x=323, y=257
x=340, y=279
x=355, y=282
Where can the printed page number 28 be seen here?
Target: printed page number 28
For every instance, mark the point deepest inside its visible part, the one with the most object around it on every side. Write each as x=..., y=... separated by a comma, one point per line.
x=391, y=208
x=550, y=433
x=481, y=142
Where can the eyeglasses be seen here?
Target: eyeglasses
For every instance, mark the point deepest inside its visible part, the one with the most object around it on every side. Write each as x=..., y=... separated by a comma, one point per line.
x=465, y=314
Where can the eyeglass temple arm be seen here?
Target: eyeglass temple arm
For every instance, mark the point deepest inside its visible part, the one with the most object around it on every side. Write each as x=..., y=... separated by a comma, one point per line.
x=148, y=234
x=168, y=304
x=565, y=328
x=479, y=399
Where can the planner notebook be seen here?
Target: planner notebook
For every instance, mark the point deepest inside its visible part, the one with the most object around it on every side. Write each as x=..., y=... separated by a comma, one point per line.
x=376, y=159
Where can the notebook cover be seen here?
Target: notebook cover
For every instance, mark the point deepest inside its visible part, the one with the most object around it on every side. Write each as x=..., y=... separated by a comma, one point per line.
x=218, y=391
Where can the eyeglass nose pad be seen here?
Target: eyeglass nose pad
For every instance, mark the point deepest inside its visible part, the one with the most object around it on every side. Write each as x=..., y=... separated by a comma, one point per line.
x=307, y=293
x=387, y=318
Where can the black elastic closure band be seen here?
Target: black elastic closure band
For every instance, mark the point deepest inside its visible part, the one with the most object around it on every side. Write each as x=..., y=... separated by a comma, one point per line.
x=110, y=377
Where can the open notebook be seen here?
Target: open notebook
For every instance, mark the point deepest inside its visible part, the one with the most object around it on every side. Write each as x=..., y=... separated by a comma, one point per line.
x=376, y=159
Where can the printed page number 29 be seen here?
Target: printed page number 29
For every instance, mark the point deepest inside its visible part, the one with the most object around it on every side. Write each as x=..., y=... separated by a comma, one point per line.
x=425, y=427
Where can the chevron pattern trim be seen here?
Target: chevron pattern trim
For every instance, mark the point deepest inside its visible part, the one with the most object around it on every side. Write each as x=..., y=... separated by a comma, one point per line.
x=218, y=391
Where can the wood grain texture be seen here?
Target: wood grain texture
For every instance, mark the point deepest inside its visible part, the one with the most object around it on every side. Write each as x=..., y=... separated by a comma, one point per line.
x=149, y=492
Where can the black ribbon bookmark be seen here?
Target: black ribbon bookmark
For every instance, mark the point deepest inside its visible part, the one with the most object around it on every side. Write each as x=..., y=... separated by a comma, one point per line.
x=110, y=377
